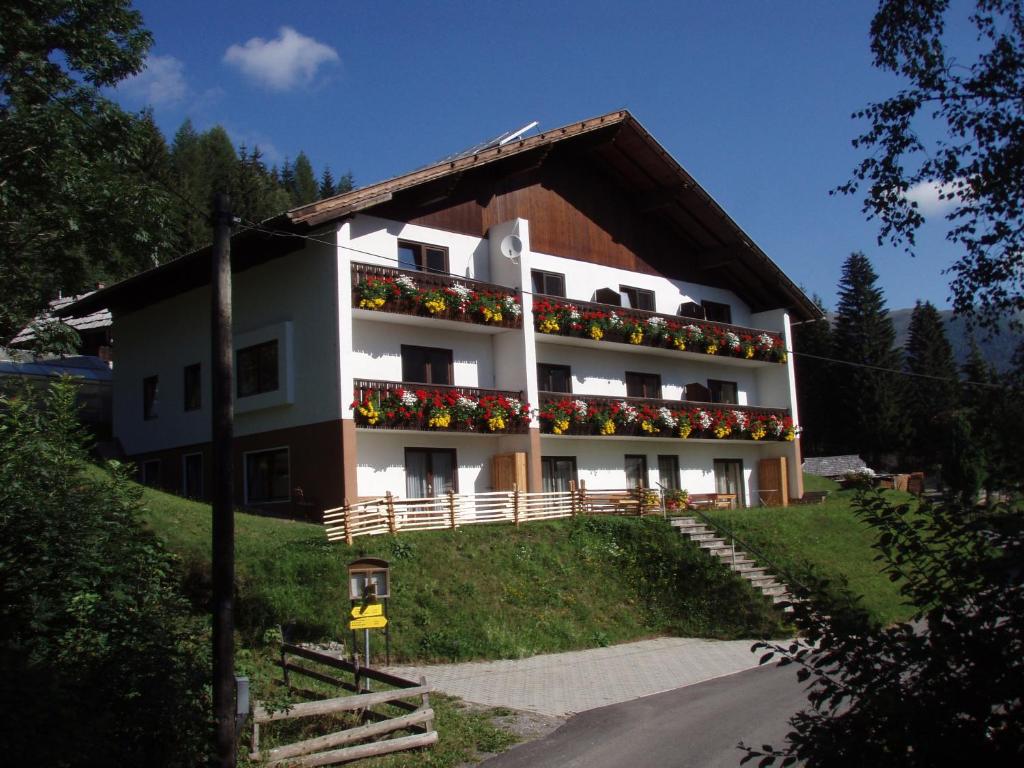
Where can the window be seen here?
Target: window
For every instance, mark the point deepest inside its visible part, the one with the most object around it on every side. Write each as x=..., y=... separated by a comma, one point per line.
x=638, y=298
x=426, y=365
x=636, y=471
x=193, y=387
x=723, y=391
x=192, y=475
x=423, y=258
x=668, y=472
x=267, y=477
x=554, y=378
x=608, y=296
x=430, y=472
x=257, y=369
x=729, y=479
x=150, y=397
x=691, y=309
x=557, y=472
x=550, y=283
x=719, y=313
x=643, y=385
x=150, y=473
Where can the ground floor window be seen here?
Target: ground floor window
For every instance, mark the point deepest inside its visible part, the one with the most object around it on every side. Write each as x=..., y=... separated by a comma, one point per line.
x=267, y=476
x=557, y=472
x=430, y=472
x=636, y=471
x=192, y=475
x=149, y=473
x=668, y=472
x=729, y=479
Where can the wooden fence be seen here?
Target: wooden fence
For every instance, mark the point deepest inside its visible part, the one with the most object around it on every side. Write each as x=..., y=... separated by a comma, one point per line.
x=329, y=749
x=391, y=514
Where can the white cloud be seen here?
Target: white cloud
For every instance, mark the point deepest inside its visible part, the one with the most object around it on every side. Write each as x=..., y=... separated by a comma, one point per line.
x=927, y=196
x=161, y=83
x=288, y=60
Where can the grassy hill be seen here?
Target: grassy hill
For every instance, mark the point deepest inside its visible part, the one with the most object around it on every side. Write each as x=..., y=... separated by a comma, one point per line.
x=487, y=591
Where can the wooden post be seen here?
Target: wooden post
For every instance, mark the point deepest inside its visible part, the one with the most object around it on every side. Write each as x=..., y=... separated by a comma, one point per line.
x=582, y=497
x=515, y=504
x=451, y=507
x=390, y=501
x=222, y=497
x=348, y=523
x=572, y=498
x=425, y=703
x=284, y=665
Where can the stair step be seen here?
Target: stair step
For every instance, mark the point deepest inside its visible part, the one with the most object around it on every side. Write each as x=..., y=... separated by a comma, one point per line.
x=773, y=590
x=753, y=574
x=702, y=536
x=743, y=567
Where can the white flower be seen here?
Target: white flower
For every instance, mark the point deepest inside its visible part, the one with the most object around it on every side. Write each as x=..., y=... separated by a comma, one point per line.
x=409, y=398
x=574, y=314
x=732, y=341
x=656, y=322
x=693, y=331
x=615, y=321
x=406, y=282
x=666, y=417
x=461, y=291
x=465, y=402
x=628, y=412
x=581, y=408
x=512, y=306
x=774, y=426
x=742, y=420
x=765, y=342
x=704, y=419
x=513, y=404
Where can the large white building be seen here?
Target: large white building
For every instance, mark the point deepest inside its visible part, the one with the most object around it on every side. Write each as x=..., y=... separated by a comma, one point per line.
x=573, y=303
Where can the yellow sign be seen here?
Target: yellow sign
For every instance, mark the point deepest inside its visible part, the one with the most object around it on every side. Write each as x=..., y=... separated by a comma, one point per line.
x=372, y=609
x=369, y=622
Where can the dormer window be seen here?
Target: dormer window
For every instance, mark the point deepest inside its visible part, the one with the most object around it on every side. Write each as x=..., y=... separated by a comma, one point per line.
x=637, y=298
x=691, y=309
x=608, y=296
x=422, y=257
x=716, y=312
x=548, y=283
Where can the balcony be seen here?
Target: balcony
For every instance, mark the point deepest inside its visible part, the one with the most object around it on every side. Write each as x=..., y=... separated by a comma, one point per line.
x=407, y=296
x=439, y=408
x=567, y=414
x=584, y=323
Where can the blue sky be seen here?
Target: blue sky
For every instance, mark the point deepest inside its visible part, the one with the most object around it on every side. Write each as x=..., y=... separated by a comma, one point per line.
x=753, y=98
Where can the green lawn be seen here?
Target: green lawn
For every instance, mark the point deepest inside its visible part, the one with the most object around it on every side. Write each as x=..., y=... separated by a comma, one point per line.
x=827, y=537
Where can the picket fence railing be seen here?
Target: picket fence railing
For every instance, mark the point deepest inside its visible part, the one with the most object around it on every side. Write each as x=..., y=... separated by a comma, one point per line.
x=391, y=514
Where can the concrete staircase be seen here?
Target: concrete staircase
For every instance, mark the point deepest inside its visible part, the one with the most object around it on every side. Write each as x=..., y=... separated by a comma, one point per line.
x=739, y=562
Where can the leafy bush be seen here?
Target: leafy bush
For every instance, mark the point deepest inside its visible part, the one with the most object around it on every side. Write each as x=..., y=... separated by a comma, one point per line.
x=95, y=639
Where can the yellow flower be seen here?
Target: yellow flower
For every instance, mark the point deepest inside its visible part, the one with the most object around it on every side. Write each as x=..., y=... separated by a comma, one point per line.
x=371, y=414
x=560, y=426
x=491, y=315
x=749, y=353
x=784, y=358
x=608, y=428
x=440, y=419
x=496, y=423
x=758, y=432
x=549, y=325
x=646, y=426
x=371, y=303
x=680, y=344
x=684, y=430
x=435, y=305
x=722, y=430
x=712, y=349
x=636, y=337
x=595, y=332
x=790, y=434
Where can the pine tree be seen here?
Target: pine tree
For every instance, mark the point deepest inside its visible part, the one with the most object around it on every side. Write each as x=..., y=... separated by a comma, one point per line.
x=345, y=183
x=306, y=189
x=928, y=353
x=868, y=420
x=326, y=183
x=814, y=384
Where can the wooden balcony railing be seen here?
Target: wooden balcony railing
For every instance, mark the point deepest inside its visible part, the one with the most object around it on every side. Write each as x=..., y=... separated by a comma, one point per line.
x=568, y=414
x=604, y=322
x=439, y=407
x=431, y=294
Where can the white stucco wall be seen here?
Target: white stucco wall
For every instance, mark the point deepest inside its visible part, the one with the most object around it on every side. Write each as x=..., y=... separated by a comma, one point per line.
x=375, y=241
x=291, y=295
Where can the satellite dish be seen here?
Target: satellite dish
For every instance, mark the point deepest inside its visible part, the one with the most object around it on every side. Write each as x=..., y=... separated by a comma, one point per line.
x=511, y=247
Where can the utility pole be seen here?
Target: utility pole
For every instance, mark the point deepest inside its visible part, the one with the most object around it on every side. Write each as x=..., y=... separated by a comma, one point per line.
x=222, y=423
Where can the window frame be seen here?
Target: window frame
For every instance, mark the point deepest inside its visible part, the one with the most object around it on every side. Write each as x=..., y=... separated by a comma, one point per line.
x=193, y=387
x=261, y=371
x=645, y=470
x=634, y=294
x=544, y=371
x=546, y=474
x=409, y=349
x=672, y=459
x=151, y=397
x=144, y=473
x=720, y=311
x=430, y=465
x=544, y=276
x=646, y=378
x=715, y=391
x=421, y=261
x=246, y=493
x=184, y=475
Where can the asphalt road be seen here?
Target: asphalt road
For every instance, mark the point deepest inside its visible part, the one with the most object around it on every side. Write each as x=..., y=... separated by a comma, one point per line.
x=697, y=726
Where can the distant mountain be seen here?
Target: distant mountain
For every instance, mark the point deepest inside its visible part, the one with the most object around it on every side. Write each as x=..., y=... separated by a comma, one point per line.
x=998, y=350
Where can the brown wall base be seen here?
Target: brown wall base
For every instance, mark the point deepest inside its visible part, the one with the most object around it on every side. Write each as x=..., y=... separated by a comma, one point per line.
x=315, y=458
